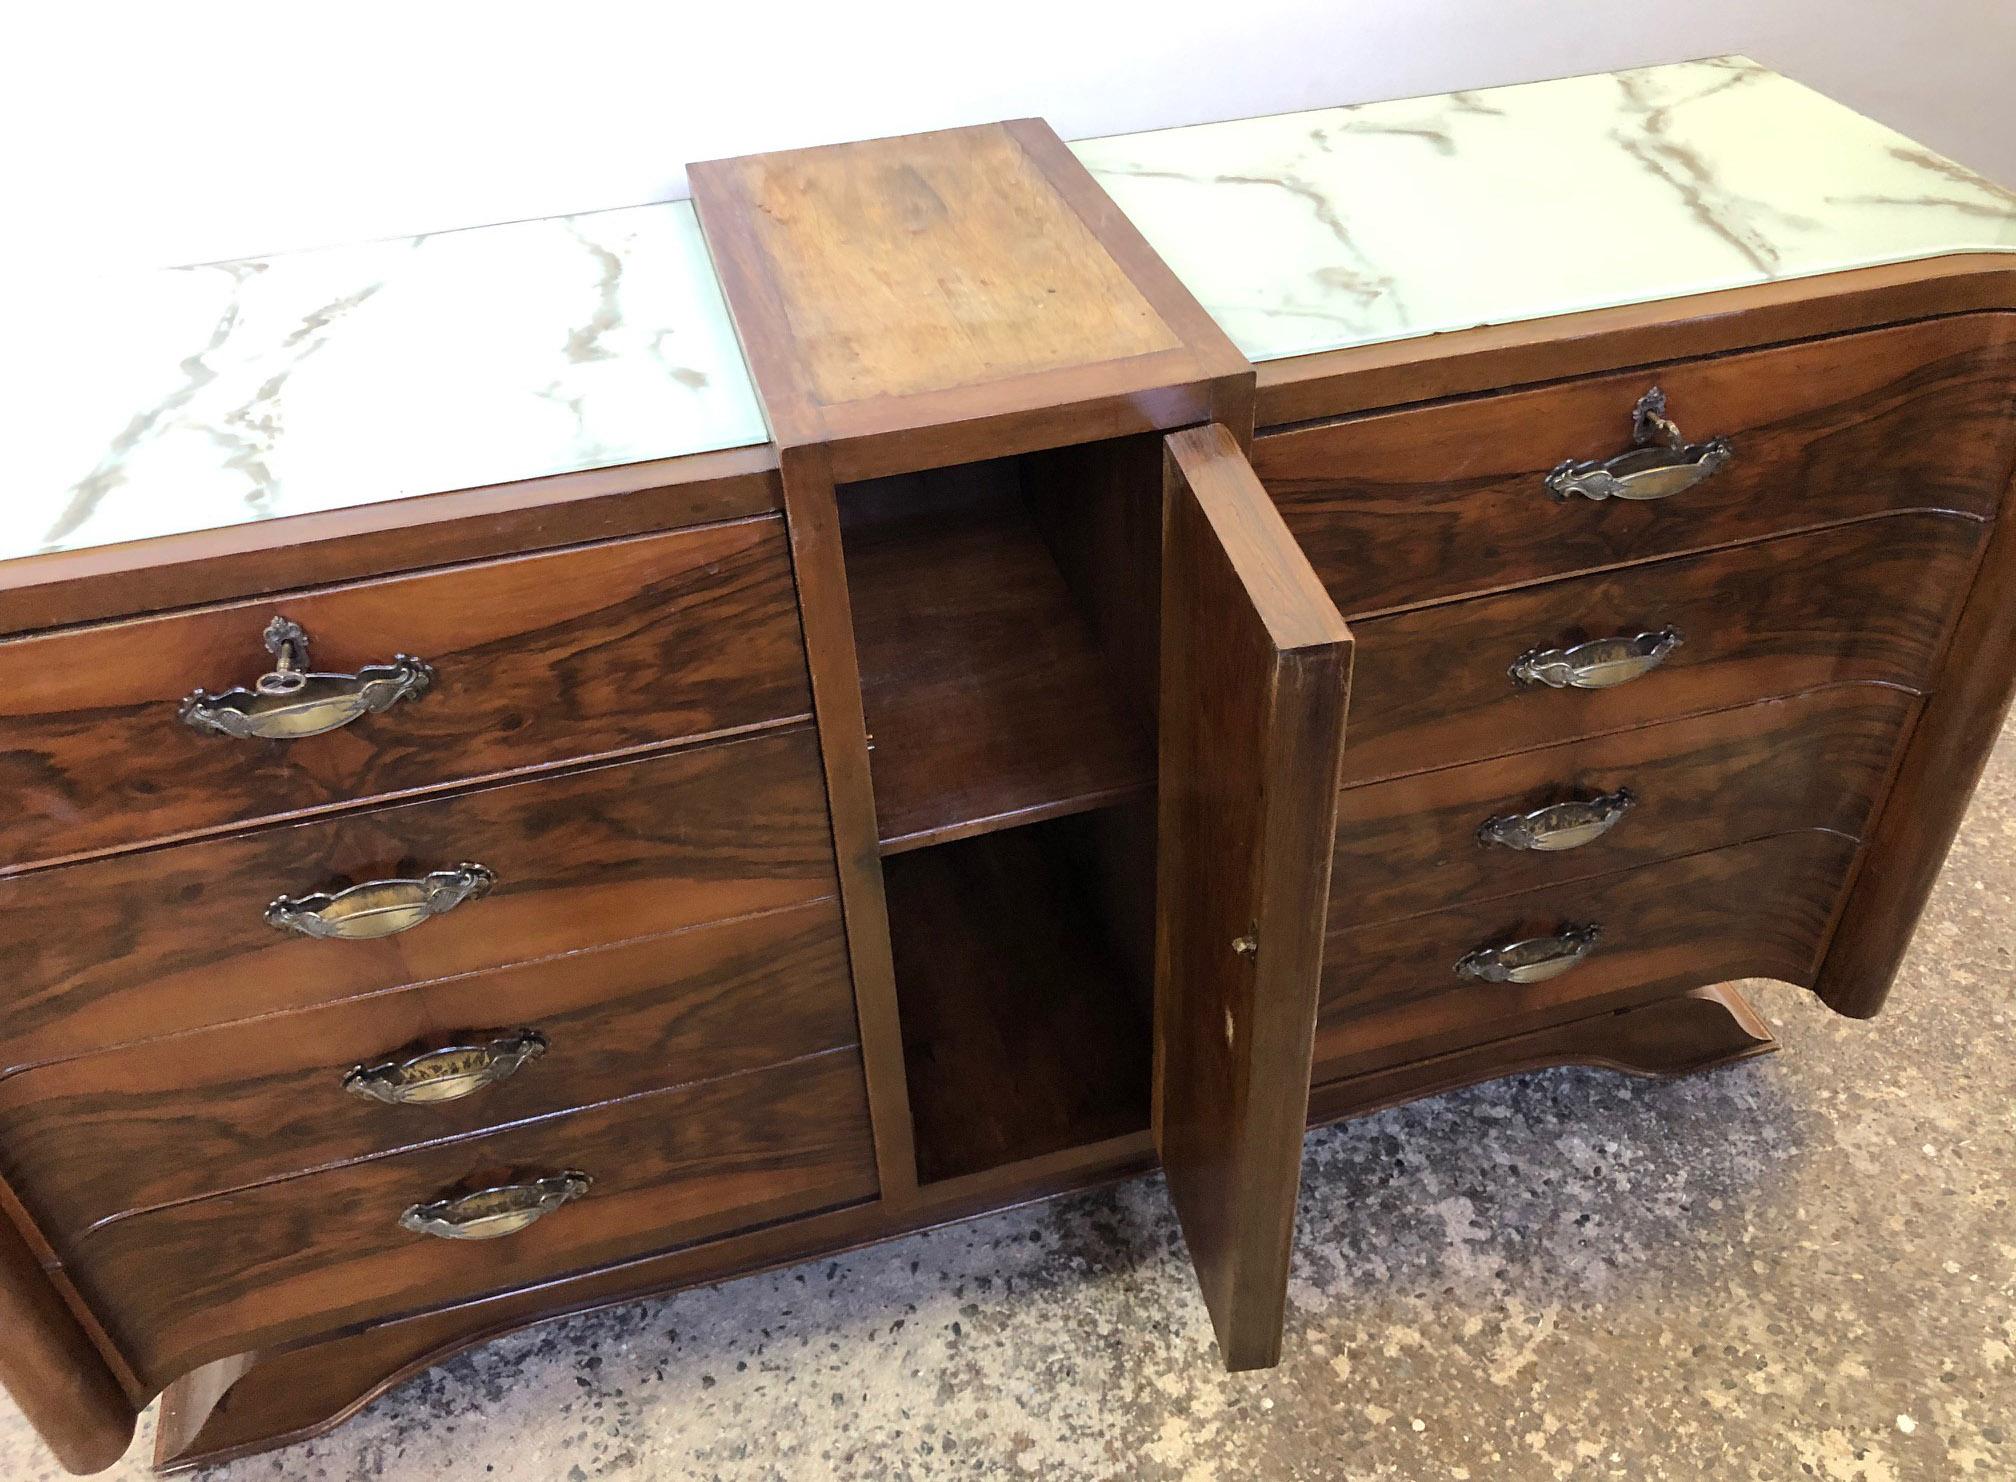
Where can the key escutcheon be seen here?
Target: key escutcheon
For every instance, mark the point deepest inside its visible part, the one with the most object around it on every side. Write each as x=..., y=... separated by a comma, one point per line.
x=289, y=703
x=1659, y=464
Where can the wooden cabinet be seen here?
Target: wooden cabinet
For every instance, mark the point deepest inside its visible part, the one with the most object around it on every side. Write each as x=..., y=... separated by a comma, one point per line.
x=1073, y=821
x=974, y=794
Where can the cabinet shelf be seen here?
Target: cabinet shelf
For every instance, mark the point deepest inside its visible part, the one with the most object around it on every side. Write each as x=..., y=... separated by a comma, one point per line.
x=988, y=702
x=1025, y=1025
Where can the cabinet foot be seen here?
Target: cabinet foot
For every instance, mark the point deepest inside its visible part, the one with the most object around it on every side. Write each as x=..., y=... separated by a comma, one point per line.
x=1675, y=1036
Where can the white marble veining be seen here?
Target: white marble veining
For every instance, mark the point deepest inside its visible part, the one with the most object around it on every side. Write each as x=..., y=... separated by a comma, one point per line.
x=1350, y=226
x=196, y=398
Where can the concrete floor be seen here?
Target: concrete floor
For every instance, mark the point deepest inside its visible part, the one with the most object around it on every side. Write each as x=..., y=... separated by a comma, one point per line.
x=1803, y=1266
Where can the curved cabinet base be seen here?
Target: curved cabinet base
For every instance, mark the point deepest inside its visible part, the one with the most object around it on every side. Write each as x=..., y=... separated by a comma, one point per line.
x=254, y=1402
x=1698, y=1030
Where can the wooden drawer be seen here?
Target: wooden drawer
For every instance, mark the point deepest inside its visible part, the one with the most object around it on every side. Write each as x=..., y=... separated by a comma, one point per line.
x=193, y=1282
x=535, y=660
x=1817, y=760
x=1869, y=601
x=174, y=939
x=1405, y=507
x=224, y=1108
x=1391, y=993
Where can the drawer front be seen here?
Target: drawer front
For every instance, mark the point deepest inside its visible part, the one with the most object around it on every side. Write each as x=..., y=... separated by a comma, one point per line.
x=1405, y=507
x=180, y=1286
x=536, y=660
x=174, y=939
x=1418, y=843
x=1392, y=994
x=198, y=1114
x=1864, y=602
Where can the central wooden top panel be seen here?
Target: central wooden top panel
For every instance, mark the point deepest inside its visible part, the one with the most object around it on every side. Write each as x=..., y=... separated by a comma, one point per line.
x=950, y=296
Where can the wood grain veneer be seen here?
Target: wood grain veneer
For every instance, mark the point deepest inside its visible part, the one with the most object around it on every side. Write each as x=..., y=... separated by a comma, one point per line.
x=909, y=306
x=1698, y=1030
x=97, y=583
x=1499, y=357
x=1942, y=764
x=1870, y=601
x=1023, y=1034
x=170, y=1120
x=174, y=939
x=1391, y=994
x=1033, y=314
x=1401, y=507
x=194, y=1282
x=986, y=698
x=1812, y=761
x=52, y=1369
x=538, y=660
x=1256, y=676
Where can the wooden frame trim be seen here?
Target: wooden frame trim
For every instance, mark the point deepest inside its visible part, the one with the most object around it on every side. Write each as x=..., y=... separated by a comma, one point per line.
x=826, y=619
x=902, y=432
x=1396, y=373
x=135, y=578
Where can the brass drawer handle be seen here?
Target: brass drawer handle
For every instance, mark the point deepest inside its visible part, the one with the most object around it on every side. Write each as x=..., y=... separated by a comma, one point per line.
x=446, y=1074
x=487, y=1214
x=1659, y=464
x=1534, y=960
x=380, y=908
x=1598, y=664
x=1559, y=826
x=289, y=703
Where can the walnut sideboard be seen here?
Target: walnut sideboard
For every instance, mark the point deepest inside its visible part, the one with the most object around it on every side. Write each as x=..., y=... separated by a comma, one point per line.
x=561, y=761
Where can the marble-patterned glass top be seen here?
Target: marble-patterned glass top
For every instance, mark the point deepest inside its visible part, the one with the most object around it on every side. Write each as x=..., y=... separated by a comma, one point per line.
x=196, y=398
x=1385, y=221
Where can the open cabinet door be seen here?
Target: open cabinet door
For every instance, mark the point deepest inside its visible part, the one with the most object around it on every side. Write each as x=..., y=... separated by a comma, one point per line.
x=1255, y=673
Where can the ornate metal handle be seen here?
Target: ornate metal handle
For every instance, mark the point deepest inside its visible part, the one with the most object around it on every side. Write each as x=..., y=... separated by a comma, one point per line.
x=446, y=1074
x=1534, y=960
x=289, y=702
x=380, y=908
x=1660, y=463
x=489, y=1213
x=1597, y=664
x=1558, y=826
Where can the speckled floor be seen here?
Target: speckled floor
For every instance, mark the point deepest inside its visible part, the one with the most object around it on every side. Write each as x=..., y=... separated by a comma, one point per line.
x=1803, y=1266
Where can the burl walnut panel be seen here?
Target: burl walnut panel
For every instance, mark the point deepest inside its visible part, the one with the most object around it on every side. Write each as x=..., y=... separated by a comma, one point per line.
x=537, y=660
x=1402, y=507
x=1760, y=910
x=1814, y=761
x=196, y=1114
x=931, y=299
x=193, y=1282
x=173, y=939
x=1869, y=601
x=851, y=231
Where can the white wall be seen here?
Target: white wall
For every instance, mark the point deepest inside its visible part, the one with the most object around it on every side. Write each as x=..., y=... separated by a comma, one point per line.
x=177, y=132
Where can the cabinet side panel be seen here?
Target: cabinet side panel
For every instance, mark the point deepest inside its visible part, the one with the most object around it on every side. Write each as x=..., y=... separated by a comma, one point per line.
x=50, y=1368
x=1935, y=781
x=813, y=517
